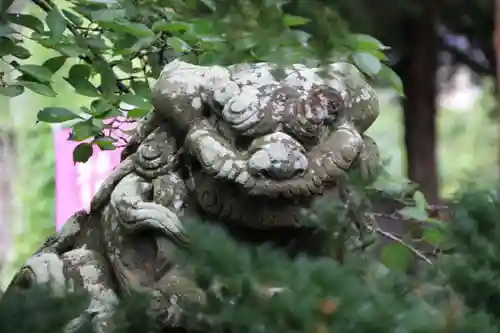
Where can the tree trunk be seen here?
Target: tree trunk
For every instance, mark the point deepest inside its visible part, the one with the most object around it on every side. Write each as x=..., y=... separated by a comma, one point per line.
x=418, y=69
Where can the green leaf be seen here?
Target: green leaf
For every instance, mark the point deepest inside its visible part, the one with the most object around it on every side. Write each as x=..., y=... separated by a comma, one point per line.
x=6, y=46
x=96, y=42
x=39, y=88
x=83, y=87
x=136, y=100
x=108, y=78
x=40, y=73
x=178, y=45
x=55, y=64
x=210, y=4
x=380, y=55
x=293, y=21
x=367, y=62
x=78, y=78
x=367, y=43
x=107, y=15
x=141, y=88
x=141, y=44
x=100, y=108
x=132, y=28
x=413, y=213
x=77, y=20
x=84, y=130
x=79, y=71
x=56, y=115
x=12, y=90
x=56, y=23
x=245, y=43
x=433, y=236
x=70, y=50
x=137, y=113
x=27, y=21
x=82, y=152
x=396, y=256
x=420, y=200
x=169, y=26
x=392, y=79
x=105, y=143
x=20, y=52
x=6, y=30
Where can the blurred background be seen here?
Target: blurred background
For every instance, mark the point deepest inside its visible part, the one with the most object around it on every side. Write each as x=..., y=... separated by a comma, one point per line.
x=442, y=132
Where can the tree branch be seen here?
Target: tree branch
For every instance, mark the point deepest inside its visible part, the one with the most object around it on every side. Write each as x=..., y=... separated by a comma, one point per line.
x=465, y=59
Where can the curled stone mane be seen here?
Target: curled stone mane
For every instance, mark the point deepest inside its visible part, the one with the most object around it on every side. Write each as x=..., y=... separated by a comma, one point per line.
x=249, y=145
x=268, y=139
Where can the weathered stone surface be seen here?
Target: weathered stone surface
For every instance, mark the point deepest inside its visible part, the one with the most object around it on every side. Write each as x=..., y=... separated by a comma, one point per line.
x=248, y=145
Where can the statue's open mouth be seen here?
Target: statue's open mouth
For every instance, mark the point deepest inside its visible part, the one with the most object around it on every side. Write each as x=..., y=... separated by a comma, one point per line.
x=270, y=133
x=276, y=164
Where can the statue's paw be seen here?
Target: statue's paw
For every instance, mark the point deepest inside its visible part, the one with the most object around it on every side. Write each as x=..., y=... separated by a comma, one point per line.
x=367, y=164
x=149, y=215
x=44, y=268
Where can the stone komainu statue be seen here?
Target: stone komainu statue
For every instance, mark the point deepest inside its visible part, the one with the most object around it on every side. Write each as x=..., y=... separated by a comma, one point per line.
x=249, y=145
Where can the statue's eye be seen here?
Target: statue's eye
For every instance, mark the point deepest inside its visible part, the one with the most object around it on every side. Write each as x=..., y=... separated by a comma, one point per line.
x=335, y=105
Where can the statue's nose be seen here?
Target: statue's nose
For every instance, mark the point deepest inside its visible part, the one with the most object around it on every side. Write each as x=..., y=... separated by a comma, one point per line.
x=277, y=161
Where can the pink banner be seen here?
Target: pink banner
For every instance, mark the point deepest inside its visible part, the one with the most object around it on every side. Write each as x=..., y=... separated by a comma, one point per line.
x=77, y=184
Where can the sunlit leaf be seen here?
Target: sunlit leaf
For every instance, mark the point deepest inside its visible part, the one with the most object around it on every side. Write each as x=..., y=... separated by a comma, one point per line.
x=367, y=63
x=393, y=79
x=178, y=45
x=210, y=4
x=292, y=20
x=413, y=213
x=137, y=113
x=420, y=200
x=433, y=236
x=364, y=42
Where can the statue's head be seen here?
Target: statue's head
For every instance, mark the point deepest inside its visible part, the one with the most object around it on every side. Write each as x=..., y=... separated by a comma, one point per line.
x=271, y=132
